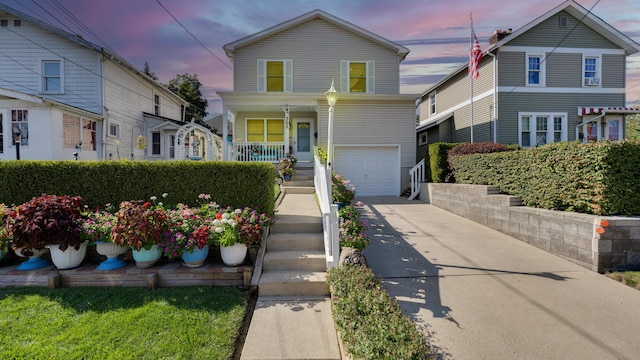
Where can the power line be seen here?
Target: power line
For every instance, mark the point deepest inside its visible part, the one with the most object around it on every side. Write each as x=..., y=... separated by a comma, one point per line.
x=193, y=36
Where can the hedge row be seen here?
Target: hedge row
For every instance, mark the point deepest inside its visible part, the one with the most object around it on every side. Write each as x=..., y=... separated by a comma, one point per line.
x=599, y=178
x=436, y=163
x=371, y=323
x=99, y=183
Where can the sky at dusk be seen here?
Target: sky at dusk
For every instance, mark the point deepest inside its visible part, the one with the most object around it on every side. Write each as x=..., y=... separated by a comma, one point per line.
x=435, y=31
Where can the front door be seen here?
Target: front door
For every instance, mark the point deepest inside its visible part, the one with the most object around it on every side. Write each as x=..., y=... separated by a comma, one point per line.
x=302, y=144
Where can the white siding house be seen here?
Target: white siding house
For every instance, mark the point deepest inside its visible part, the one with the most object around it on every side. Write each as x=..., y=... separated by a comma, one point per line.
x=67, y=98
x=278, y=105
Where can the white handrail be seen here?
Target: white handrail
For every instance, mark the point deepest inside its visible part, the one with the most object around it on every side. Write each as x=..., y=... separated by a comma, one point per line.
x=417, y=176
x=322, y=183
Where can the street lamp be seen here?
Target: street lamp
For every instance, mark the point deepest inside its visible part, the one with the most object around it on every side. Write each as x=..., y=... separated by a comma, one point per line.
x=332, y=97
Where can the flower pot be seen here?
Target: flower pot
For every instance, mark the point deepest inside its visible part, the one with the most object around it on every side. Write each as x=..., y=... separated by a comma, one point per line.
x=34, y=262
x=286, y=177
x=196, y=257
x=233, y=255
x=146, y=258
x=69, y=258
x=111, y=251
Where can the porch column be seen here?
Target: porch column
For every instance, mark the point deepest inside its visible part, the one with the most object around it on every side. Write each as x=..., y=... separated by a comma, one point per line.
x=225, y=133
x=286, y=130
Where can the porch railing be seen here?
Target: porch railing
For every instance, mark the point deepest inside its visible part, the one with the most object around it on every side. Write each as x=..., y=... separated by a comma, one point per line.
x=256, y=151
x=322, y=182
x=416, y=175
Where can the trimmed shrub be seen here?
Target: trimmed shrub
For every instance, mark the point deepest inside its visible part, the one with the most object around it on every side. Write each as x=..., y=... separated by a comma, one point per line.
x=600, y=178
x=471, y=148
x=233, y=184
x=371, y=323
x=438, y=164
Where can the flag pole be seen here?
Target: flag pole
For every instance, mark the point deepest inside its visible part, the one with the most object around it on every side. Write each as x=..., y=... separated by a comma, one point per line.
x=471, y=77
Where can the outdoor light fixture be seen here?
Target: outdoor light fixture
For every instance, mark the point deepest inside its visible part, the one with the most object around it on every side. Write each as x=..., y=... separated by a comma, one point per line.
x=332, y=97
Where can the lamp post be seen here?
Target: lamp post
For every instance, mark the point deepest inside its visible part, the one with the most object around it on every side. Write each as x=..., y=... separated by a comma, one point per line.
x=17, y=139
x=332, y=97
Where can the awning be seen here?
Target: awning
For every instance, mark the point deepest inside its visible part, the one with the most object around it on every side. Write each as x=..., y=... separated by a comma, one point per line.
x=588, y=110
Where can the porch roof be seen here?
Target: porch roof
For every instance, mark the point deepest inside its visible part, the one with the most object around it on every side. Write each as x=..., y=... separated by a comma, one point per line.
x=589, y=110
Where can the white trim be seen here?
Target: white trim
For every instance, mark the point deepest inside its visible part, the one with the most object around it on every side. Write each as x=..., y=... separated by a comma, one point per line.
x=598, y=70
x=448, y=112
x=561, y=90
x=119, y=129
x=542, y=74
x=41, y=62
x=550, y=130
x=561, y=50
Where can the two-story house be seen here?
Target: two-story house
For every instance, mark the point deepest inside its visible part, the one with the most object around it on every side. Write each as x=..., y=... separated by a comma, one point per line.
x=561, y=77
x=278, y=105
x=62, y=97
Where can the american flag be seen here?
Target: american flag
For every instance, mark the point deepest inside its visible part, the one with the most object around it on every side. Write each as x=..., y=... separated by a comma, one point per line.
x=474, y=57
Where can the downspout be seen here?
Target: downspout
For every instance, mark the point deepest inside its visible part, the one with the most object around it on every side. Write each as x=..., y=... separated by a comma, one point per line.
x=495, y=96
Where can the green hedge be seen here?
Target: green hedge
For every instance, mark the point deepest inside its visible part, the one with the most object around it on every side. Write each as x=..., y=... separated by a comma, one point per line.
x=601, y=178
x=436, y=161
x=99, y=183
x=371, y=323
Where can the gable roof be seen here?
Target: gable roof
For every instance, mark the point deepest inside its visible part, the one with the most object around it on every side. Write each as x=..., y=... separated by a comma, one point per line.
x=574, y=9
x=230, y=48
x=89, y=45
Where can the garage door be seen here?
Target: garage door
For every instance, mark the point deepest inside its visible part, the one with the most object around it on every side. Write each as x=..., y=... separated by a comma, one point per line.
x=373, y=170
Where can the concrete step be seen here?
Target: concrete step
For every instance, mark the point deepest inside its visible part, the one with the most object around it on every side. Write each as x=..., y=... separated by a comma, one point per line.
x=295, y=182
x=298, y=177
x=293, y=283
x=293, y=241
x=294, y=260
x=299, y=189
x=296, y=224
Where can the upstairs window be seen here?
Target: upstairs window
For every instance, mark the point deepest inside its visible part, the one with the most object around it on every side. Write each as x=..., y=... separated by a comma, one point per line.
x=275, y=75
x=535, y=70
x=357, y=77
x=432, y=104
x=52, y=76
x=156, y=104
x=591, y=71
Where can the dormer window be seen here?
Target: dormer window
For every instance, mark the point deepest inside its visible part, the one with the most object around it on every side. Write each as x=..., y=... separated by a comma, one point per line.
x=275, y=75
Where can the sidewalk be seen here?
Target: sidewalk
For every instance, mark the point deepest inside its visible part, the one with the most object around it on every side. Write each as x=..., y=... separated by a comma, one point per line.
x=480, y=294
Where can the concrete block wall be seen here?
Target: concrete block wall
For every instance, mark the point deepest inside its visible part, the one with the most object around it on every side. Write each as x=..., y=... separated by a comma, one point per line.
x=579, y=238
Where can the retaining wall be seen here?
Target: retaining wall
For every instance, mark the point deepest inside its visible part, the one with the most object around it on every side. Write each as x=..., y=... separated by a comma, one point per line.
x=599, y=243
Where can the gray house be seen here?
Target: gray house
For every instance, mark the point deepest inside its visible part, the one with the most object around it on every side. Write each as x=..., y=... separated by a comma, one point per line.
x=559, y=78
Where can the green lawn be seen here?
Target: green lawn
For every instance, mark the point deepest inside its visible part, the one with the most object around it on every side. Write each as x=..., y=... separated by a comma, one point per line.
x=120, y=323
x=630, y=278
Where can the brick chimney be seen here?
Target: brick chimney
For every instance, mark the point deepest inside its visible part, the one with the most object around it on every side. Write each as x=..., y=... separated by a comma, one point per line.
x=499, y=35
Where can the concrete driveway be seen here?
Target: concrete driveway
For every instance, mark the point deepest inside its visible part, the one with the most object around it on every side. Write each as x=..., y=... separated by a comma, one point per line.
x=480, y=294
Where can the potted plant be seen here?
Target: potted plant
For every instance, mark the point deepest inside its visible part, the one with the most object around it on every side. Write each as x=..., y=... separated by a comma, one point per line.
x=187, y=236
x=286, y=169
x=233, y=248
x=96, y=228
x=140, y=225
x=49, y=221
x=342, y=191
x=5, y=239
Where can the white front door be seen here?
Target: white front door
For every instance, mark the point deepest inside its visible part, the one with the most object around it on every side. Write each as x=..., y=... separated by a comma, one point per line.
x=302, y=139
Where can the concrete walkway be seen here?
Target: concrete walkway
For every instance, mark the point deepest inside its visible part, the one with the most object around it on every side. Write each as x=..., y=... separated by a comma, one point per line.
x=480, y=294
x=289, y=327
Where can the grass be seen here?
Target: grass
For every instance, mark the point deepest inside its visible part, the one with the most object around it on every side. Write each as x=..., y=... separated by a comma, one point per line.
x=630, y=278
x=121, y=323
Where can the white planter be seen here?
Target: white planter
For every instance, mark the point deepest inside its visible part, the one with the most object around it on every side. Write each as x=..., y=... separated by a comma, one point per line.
x=69, y=258
x=111, y=251
x=233, y=255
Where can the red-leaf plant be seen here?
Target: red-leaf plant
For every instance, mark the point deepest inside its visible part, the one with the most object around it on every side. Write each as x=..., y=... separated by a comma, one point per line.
x=45, y=220
x=139, y=225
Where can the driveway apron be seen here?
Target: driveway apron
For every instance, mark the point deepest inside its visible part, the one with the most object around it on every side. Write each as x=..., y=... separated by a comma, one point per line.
x=480, y=294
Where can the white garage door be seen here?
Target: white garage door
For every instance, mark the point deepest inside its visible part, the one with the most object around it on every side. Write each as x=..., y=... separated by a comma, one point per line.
x=373, y=170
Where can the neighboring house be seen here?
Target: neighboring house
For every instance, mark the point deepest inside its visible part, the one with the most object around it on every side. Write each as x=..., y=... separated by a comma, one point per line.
x=559, y=78
x=65, y=96
x=278, y=105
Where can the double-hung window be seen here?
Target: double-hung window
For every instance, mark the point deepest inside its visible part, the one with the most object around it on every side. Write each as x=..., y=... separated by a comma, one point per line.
x=275, y=75
x=536, y=129
x=357, y=76
x=52, y=76
x=591, y=71
x=156, y=104
x=432, y=104
x=79, y=132
x=265, y=130
x=535, y=70
x=156, y=143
